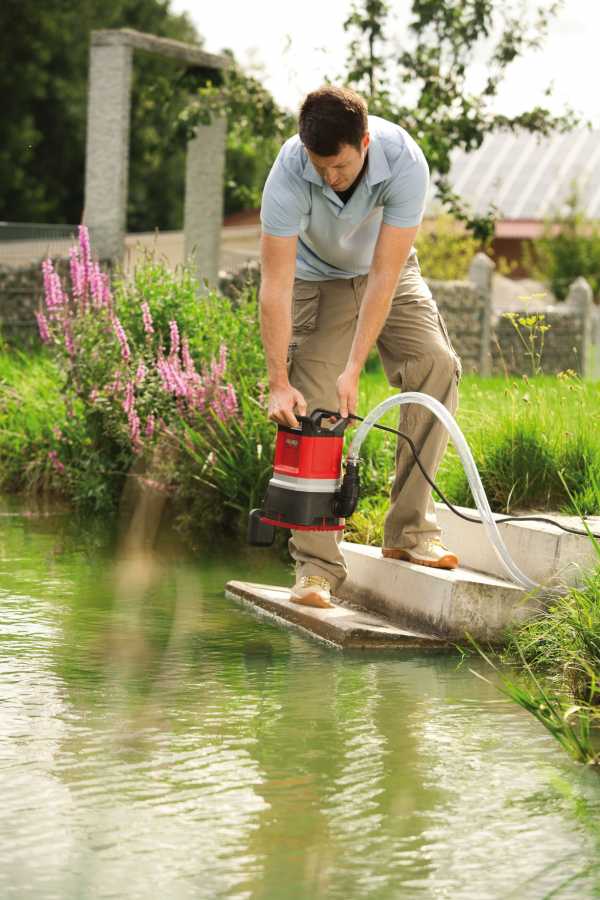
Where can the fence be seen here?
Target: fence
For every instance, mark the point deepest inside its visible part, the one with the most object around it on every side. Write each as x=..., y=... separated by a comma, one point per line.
x=23, y=246
x=488, y=342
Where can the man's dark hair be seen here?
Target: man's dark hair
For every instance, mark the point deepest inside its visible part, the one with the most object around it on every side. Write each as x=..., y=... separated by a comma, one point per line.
x=332, y=116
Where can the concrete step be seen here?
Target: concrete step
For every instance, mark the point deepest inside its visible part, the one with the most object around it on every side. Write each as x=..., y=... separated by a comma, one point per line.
x=543, y=552
x=434, y=601
x=341, y=626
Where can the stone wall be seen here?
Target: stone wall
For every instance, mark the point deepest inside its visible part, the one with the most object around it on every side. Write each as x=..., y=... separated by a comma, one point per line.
x=463, y=309
x=572, y=340
x=488, y=343
x=561, y=348
x=21, y=291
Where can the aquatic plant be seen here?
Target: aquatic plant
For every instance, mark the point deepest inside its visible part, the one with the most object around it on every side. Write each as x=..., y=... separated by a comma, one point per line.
x=573, y=725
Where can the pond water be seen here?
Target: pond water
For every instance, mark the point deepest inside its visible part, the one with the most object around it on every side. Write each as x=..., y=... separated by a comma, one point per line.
x=159, y=741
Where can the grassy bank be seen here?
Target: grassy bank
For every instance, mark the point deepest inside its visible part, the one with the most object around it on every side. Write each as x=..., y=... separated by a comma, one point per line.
x=556, y=659
x=32, y=406
x=523, y=433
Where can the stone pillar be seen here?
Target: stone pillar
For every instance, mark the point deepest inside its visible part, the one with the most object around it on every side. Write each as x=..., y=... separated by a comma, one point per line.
x=203, y=210
x=581, y=298
x=481, y=271
x=107, y=151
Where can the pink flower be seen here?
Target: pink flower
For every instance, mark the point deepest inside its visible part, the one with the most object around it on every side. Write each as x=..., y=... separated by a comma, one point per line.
x=69, y=343
x=106, y=292
x=53, y=457
x=140, y=374
x=147, y=317
x=115, y=387
x=230, y=401
x=129, y=398
x=134, y=429
x=166, y=374
x=77, y=274
x=53, y=292
x=174, y=333
x=86, y=252
x=188, y=362
x=122, y=338
x=218, y=368
x=43, y=327
x=149, y=429
x=173, y=378
x=96, y=285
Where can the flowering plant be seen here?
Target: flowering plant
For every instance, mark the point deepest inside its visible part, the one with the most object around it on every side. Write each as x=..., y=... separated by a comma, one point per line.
x=133, y=388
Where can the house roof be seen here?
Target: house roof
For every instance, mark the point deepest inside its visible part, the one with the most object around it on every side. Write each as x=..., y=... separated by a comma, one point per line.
x=528, y=176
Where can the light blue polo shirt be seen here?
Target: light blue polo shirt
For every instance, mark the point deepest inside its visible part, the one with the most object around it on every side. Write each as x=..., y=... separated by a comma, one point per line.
x=337, y=240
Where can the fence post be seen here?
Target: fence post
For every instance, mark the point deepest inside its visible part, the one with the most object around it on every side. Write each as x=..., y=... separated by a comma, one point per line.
x=581, y=298
x=481, y=271
x=107, y=153
x=203, y=207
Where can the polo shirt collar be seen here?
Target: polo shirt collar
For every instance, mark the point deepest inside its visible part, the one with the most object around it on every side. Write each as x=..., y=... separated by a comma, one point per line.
x=377, y=167
x=309, y=172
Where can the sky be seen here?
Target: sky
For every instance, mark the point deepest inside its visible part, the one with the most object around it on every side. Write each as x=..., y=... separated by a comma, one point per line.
x=293, y=46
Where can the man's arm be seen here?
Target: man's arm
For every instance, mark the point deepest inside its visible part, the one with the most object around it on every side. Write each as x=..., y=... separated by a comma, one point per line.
x=278, y=265
x=391, y=252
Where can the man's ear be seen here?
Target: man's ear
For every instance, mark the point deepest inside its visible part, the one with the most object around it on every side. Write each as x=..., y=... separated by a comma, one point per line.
x=366, y=140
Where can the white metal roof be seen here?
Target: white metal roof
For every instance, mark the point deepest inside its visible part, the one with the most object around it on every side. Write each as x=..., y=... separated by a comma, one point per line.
x=527, y=176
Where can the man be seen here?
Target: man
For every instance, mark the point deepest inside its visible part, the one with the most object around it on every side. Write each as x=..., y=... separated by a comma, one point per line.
x=340, y=211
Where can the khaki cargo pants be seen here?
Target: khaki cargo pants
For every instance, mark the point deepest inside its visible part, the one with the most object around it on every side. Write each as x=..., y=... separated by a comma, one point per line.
x=417, y=355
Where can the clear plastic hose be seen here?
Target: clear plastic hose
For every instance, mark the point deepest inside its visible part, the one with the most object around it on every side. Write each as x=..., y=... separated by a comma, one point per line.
x=458, y=439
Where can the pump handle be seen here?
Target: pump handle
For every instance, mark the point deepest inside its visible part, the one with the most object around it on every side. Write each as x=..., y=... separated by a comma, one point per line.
x=317, y=415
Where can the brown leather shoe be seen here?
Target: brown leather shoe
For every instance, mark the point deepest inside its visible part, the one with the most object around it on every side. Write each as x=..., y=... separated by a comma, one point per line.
x=429, y=552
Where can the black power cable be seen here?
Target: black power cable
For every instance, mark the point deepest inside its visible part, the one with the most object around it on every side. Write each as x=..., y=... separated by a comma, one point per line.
x=447, y=502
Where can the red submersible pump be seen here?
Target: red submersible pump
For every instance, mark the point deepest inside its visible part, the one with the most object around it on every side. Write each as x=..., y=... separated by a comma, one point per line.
x=306, y=491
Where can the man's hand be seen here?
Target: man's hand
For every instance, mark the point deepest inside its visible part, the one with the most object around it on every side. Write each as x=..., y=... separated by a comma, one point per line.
x=282, y=400
x=347, y=390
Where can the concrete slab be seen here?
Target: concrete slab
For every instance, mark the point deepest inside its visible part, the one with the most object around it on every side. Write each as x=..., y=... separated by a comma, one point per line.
x=341, y=626
x=435, y=601
x=543, y=552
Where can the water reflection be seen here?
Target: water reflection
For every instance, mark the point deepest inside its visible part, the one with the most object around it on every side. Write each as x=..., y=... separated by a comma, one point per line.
x=156, y=740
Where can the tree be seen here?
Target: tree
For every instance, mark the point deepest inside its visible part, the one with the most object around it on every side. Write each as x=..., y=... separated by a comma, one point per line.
x=44, y=53
x=446, y=114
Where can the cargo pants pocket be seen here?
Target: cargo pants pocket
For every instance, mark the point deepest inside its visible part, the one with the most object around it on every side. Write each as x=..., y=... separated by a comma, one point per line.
x=305, y=311
x=305, y=314
x=444, y=331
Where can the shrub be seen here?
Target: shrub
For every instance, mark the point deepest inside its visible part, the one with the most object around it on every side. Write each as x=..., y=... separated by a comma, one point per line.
x=150, y=366
x=569, y=248
x=445, y=249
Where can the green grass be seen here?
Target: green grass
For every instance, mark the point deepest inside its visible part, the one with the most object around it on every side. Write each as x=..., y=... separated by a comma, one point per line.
x=557, y=659
x=523, y=434
x=31, y=406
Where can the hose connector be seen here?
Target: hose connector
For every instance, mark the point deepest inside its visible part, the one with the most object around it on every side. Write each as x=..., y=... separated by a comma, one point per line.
x=345, y=499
